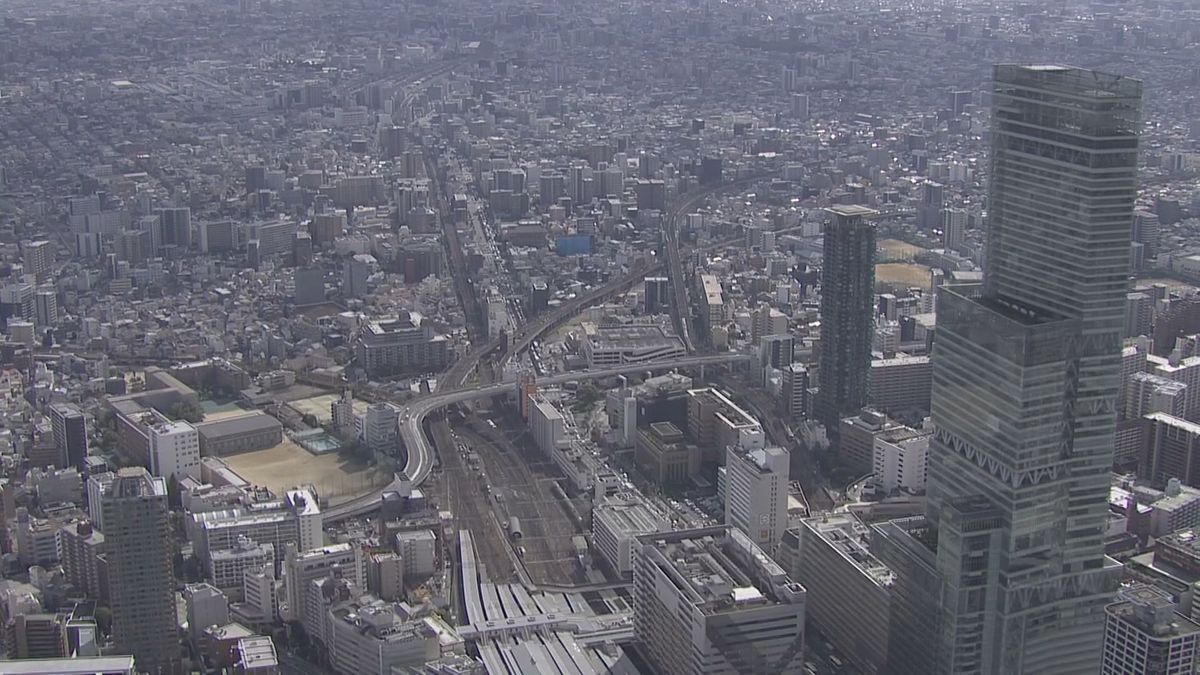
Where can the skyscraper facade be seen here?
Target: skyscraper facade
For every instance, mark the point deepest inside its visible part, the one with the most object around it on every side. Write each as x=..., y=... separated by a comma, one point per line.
x=847, y=313
x=140, y=577
x=1007, y=572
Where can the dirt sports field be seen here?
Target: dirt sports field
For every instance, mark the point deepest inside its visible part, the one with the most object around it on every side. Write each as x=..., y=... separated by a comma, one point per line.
x=894, y=249
x=287, y=465
x=902, y=274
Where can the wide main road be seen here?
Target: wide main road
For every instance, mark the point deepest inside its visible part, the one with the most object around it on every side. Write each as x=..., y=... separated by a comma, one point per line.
x=413, y=414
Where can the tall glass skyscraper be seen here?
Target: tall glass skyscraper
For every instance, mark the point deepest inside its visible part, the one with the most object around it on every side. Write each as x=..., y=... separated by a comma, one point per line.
x=1007, y=572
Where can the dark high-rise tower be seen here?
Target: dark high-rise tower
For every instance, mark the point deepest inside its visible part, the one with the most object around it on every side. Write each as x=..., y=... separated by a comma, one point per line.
x=847, y=313
x=141, y=582
x=1008, y=574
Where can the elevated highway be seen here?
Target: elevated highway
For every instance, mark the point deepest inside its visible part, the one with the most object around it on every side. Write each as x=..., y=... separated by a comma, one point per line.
x=420, y=451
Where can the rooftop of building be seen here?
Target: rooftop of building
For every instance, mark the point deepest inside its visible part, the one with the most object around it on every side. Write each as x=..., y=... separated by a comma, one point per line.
x=639, y=336
x=851, y=211
x=851, y=539
x=630, y=512
x=74, y=666
x=719, y=569
x=256, y=652
x=725, y=407
x=712, y=289
x=1152, y=611
x=242, y=424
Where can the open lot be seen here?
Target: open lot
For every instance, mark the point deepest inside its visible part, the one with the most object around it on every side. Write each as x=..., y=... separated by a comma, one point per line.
x=287, y=464
x=902, y=274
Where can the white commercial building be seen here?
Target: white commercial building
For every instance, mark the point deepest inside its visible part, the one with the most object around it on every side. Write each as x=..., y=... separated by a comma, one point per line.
x=373, y=640
x=174, y=450
x=711, y=602
x=901, y=460
x=617, y=522
x=547, y=424
x=1143, y=635
x=300, y=569
x=309, y=521
x=756, y=492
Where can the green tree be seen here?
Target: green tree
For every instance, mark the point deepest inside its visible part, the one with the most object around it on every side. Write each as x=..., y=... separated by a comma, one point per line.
x=188, y=410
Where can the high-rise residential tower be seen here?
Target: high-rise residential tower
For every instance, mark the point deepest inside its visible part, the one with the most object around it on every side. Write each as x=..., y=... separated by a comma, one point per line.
x=847, y=313
x=1007, y=572
x=140, y=577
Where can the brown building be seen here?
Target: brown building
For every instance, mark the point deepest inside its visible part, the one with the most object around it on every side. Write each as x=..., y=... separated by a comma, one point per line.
x=664, y=454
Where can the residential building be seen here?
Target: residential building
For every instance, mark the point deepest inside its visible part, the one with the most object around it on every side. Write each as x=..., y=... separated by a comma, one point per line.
x=141, y=579
x=393, y=346
x=900, y=384
x=69, y=427
x=847, y=303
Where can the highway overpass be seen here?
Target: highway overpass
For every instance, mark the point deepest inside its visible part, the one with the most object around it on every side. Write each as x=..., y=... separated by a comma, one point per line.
x=420, y=451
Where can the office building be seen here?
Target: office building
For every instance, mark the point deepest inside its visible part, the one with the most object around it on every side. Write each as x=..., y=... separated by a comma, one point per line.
x=901, y=460
x=795, y=392
x=45, y=304
x=309, y=285
x=175, y=450
x=617, y=522
x=848, y=588
x=69, y=428
x=175, y=226
x=1007, y=572
x=664, y=455
x=1144, y=635
x=380, y=428
x=954, y=226
x=207, y=606
x=547, y=424
x=301, y=568
x=714, y=423
x=141, y=580
x=900, y=384
x=847, y=304
x=711, y=602
x=656, y=295
x=756, y=493
x=775, y=352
